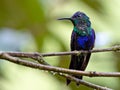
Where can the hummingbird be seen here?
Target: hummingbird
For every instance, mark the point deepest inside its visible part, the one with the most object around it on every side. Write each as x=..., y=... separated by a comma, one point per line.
x=82, y=38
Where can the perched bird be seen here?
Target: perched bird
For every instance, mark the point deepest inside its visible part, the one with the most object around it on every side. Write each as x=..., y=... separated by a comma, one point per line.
x=82, y=38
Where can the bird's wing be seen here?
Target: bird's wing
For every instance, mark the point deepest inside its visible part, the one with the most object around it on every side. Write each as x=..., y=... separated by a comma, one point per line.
x=74, y=46
x=75, y=63
x=93, y=33
x=73, y=43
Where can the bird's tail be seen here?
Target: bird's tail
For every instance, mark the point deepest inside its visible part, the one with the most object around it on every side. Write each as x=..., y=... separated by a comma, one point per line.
x=79, y=63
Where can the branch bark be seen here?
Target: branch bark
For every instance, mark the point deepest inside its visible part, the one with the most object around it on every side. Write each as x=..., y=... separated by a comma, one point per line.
x=97, y=87
x=52, y=68
x=67, y=73
x=5, y=56
x=33, y=55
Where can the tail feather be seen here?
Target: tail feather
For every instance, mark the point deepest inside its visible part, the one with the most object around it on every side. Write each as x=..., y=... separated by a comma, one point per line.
x=79, y=63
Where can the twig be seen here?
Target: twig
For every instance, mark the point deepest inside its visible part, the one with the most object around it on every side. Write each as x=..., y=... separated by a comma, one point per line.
x=49, y=68
x=78, y=81
x=33, y=55
x=97, y=87
x=10, y=56
x=63, y=70
x=72, y=78
x=114, y=48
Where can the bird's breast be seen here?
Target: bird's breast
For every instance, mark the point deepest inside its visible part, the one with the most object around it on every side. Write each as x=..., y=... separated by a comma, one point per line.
x=85, y=42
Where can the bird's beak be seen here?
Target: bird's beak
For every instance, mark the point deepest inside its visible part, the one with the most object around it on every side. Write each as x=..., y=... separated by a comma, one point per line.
x=65, y=19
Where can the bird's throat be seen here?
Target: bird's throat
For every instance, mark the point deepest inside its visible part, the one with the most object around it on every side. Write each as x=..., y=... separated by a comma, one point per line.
x=82, y=32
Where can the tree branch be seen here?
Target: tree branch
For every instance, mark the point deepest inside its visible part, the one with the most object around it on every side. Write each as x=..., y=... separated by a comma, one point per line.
x=49, y=68
x=56, y=69
x=33, y=55
x=97, y=87
x=11, y=56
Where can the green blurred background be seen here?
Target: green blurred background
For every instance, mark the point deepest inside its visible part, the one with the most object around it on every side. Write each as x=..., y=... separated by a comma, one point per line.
x=32, y=25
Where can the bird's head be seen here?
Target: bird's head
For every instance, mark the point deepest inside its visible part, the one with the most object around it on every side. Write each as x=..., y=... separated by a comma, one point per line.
x=79, y=18
x=80, y=21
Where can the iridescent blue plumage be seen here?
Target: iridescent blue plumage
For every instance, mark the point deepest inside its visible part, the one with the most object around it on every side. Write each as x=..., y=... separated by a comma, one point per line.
x=82, y=38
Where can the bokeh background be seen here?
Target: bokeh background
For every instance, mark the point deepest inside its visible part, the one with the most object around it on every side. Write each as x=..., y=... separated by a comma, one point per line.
x=32, y=25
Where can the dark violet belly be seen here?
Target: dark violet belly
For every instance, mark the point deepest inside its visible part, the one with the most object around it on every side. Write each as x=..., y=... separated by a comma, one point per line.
x=85, y=42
